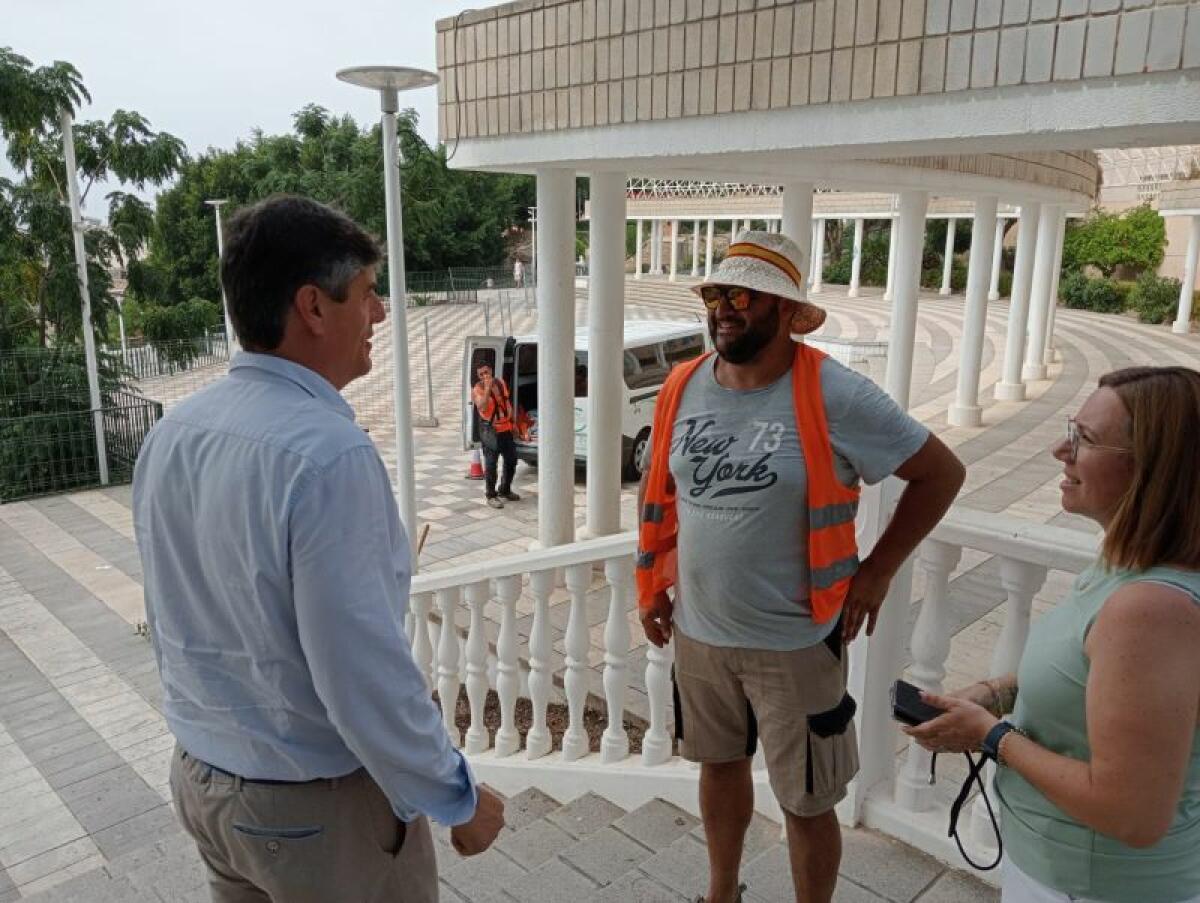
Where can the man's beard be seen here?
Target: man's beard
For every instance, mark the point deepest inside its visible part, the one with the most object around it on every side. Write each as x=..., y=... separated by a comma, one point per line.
x=754, y=339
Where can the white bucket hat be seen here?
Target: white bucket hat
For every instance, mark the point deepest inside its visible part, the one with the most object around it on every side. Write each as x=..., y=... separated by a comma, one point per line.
x=768, y=262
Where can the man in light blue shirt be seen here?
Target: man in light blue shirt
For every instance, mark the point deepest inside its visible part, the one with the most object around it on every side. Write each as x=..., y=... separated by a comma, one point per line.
x=276, y=576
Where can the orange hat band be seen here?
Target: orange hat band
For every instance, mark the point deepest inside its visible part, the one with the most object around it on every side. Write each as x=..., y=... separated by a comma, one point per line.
x=745, y=249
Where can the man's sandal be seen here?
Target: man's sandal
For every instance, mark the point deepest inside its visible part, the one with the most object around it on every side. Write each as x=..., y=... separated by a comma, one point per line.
x=737, y=899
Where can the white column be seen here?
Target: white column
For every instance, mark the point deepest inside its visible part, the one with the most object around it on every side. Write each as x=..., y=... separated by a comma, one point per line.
x=812, y=253
x=637, y=254
x=656, y=249
x=1183, y=318
x=891, y=270
x=733, y=231
x=797, y=219
x=997, y=251
x=948, y=256
x=556, y=357
x=674, y=249
x=911, y=229
x=1051, y=354
x=856, y=259
x=708, y=249
x=606, y=312
x=1010, y=387
x=696, y=247
x=966, y=410
x=819, y=258
x=1043, y=277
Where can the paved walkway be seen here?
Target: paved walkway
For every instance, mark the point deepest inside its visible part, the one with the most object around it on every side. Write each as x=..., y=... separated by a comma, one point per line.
x=83, y=747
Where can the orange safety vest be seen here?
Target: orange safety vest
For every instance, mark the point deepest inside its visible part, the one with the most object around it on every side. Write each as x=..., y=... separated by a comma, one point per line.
x=832, y=549
x=499, y=414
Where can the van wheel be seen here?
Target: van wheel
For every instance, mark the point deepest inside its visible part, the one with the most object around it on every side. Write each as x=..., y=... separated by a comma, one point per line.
x=633, y=464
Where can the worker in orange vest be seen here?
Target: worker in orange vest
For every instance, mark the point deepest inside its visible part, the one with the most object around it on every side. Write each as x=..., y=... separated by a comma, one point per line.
x=746, y=515
x=494, y=406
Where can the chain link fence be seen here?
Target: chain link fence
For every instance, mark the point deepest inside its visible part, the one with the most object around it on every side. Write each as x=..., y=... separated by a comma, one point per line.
x=48, y=428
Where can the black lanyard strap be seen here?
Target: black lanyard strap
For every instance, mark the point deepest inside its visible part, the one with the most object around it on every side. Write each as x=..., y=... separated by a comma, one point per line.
x=974, y=776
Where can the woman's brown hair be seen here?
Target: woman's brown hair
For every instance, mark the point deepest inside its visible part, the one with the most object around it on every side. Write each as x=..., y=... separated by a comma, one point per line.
x=1157, y=520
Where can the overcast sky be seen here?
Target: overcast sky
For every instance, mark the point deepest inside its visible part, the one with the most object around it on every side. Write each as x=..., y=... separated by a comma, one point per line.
x=210, y=71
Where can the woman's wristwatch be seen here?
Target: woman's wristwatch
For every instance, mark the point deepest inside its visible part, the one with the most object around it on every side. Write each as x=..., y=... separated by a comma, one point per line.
x=991, y=743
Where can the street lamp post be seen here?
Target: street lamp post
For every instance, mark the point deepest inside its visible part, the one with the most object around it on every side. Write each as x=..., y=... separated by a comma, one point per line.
x=389, y=81
x=89, y=338
x=230, y=340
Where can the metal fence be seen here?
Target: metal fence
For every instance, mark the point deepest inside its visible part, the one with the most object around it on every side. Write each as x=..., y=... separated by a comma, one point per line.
x=149, y=360
x=55, y=452
x=461, y=285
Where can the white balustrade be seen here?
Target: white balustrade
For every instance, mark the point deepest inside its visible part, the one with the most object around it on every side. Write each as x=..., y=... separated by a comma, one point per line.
x=899, y=802
x=477, y=681
x=508, y=667
x=930, y=647
x=422, y=648
x=656, y=744
x=448, y=600
x=537, y=741
x=1021, y=582
x=575, y=741
x=614, y=743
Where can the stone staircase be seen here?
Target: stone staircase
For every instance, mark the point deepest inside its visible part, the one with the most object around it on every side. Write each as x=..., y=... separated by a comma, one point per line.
x=586, y=850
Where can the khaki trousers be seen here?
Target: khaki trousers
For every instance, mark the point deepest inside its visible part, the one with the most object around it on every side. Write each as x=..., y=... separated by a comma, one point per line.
x=326, y=841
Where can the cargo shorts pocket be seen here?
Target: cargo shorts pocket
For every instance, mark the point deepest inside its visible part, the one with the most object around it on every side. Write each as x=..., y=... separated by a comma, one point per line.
x=832, y=753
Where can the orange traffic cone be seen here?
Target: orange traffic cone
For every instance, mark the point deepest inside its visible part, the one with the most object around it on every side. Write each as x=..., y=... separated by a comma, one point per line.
x=475, y=472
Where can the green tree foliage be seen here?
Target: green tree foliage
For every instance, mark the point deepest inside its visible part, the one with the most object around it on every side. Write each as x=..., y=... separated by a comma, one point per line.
x=39, y=295
x=1134, y=240
x=1081, y=292
x=1154, y=298
x=451, y=217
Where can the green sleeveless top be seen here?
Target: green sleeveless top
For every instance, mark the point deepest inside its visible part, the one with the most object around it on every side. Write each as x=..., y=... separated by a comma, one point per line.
x=1041, y=839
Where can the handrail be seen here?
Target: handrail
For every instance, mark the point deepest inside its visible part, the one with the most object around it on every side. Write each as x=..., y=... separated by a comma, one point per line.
x=582, y=552
x=1058, y=548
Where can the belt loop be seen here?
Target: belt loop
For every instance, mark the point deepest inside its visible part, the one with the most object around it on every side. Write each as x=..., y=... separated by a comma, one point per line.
x=237, y=783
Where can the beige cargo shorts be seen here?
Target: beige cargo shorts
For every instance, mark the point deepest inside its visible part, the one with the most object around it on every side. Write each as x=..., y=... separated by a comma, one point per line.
x=796, y=701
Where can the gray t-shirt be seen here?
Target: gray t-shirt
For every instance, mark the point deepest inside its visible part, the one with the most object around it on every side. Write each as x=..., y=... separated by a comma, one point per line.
x=742, y=499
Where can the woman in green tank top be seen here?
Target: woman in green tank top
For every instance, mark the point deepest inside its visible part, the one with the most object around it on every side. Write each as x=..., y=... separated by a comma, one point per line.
x=1099, y=777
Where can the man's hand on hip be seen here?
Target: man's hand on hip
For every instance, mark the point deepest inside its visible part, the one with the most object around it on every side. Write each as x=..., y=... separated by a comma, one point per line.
x=868, y=588
x=477, y=835
x=656, y=620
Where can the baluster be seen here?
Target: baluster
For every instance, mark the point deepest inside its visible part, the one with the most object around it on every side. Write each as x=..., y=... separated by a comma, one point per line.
x=1021, y=582
x=447, y=659
x=477, y=682
x=422, y=648
x=508, y=678
x=614, y=744
x=930, y=647
x=656, y=744
x=537, y=741
x=575, y=741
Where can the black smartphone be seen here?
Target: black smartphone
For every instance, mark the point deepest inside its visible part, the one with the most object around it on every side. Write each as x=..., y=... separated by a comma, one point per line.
x=907, y=706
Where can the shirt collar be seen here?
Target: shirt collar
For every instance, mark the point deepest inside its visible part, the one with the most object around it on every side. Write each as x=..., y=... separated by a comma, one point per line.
x=309, y=380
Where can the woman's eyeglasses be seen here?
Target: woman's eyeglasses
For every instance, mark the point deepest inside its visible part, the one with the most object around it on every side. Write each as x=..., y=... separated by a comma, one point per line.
x=739, y=298
x=1075, y=439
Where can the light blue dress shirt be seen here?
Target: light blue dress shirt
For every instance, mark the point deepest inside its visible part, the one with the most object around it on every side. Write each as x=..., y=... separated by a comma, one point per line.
x=276, y=575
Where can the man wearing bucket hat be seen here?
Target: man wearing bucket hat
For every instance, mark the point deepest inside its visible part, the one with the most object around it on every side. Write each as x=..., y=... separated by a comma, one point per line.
x=747, y=515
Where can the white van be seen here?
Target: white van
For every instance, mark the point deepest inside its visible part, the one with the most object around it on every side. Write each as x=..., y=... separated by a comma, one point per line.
x=652, y=348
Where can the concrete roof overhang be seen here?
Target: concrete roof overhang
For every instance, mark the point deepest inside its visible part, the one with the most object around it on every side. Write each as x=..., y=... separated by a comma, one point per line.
x=1014, y=142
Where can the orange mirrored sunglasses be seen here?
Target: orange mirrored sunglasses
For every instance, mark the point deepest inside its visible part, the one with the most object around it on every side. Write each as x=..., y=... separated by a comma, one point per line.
x=738, y=297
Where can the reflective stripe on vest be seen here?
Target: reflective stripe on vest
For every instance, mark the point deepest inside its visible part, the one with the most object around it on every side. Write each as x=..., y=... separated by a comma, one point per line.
x=832, y=549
